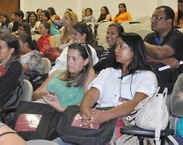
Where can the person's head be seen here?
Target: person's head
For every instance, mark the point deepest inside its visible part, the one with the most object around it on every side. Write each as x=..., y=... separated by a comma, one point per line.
x=83, y=33
x=26, y=43
x=24, y=27
x=26, y=14
x=113, y=32
x=44, y=28
x=4, y=19
x=51, y=11
x=130, y=52
x=32, y=17
x=88, y=12
x=38, y=12
x=12, y=16
x=69, y=19
x=122, y=7
x=44, y=16
x=68, y=10
x=79, y=63
x=19, y=15
x=104, y=10
x=162, y=19
x=180, y=9
x=9, y=46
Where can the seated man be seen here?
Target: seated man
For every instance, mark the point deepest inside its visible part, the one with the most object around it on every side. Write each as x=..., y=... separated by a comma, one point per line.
x=164, y=46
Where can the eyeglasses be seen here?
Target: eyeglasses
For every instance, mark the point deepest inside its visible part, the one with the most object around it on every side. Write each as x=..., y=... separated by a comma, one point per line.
x=158, y=18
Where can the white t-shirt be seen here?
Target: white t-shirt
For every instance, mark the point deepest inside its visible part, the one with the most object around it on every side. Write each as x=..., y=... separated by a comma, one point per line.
x=61, y=61
x=112, y=87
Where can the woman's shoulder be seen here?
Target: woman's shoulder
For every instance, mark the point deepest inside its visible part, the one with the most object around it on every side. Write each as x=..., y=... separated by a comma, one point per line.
x=145, y=73
x=111, y=71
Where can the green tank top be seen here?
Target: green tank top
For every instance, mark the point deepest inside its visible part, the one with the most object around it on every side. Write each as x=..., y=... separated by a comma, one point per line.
x=66, y=95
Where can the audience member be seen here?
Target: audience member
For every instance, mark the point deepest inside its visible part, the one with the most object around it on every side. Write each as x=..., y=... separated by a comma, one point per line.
x=107, y=58
x=30, y=58
x=89, y=18
x=45, y=17
x=53, y=14
x=9, y=136
x=70, y=18
x=44, y=40
x=131, y=81
x=23, y=27
x=176, y=106
x=121, y=87
x=105, y=15
x=19, y=16
x=81, y=33
x=12, y=17
x=68, y=85
x=122, y=15
x=38, y=12
x=164, y=46
x=179, y=15
x=26, y=16
x=5, y=25
x=10, y=68
x=33, y=22
x=82, y=14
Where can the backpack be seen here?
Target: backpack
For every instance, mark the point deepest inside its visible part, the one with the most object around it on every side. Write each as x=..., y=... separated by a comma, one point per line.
x=7, y=117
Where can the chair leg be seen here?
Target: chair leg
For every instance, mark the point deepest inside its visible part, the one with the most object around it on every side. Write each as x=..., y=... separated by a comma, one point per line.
x=141, y=140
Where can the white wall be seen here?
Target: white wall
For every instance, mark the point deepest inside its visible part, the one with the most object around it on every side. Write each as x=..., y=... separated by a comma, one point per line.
x=137, y=8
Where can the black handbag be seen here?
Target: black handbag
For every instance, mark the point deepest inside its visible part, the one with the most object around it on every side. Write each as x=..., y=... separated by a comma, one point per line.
x=34, y=120
x=83, y=136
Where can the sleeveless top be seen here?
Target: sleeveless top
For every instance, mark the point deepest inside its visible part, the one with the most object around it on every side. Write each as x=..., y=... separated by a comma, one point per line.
x=66, y=95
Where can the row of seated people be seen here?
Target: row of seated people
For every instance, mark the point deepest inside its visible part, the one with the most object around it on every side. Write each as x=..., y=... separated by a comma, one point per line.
x=130, y=52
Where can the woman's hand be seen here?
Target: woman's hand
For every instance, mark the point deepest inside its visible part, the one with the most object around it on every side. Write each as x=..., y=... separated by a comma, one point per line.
x=87, y=115
x=51, y=99
x=99, y=116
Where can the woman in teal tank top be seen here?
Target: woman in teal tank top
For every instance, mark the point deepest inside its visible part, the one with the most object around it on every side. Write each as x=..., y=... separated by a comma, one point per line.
x=64, y=88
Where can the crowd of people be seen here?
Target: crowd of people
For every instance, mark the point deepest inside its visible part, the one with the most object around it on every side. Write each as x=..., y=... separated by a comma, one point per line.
x=120, y=77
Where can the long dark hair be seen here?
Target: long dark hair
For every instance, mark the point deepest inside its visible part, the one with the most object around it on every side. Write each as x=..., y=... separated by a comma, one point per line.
x=83, y=28
x=103, y=16
x=136, y=44
x=7, y=19
x=124, y=5
x=78, y=80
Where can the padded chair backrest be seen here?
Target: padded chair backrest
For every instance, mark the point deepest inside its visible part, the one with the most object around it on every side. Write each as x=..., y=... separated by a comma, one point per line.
x=36, y=36
x=143, y=32
x=147, y=24
x=133, y=27
x=46, y=64
x=101, y=39
x=143, y=19
x=27, y=91
x=40, y=142
x=102, y=27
